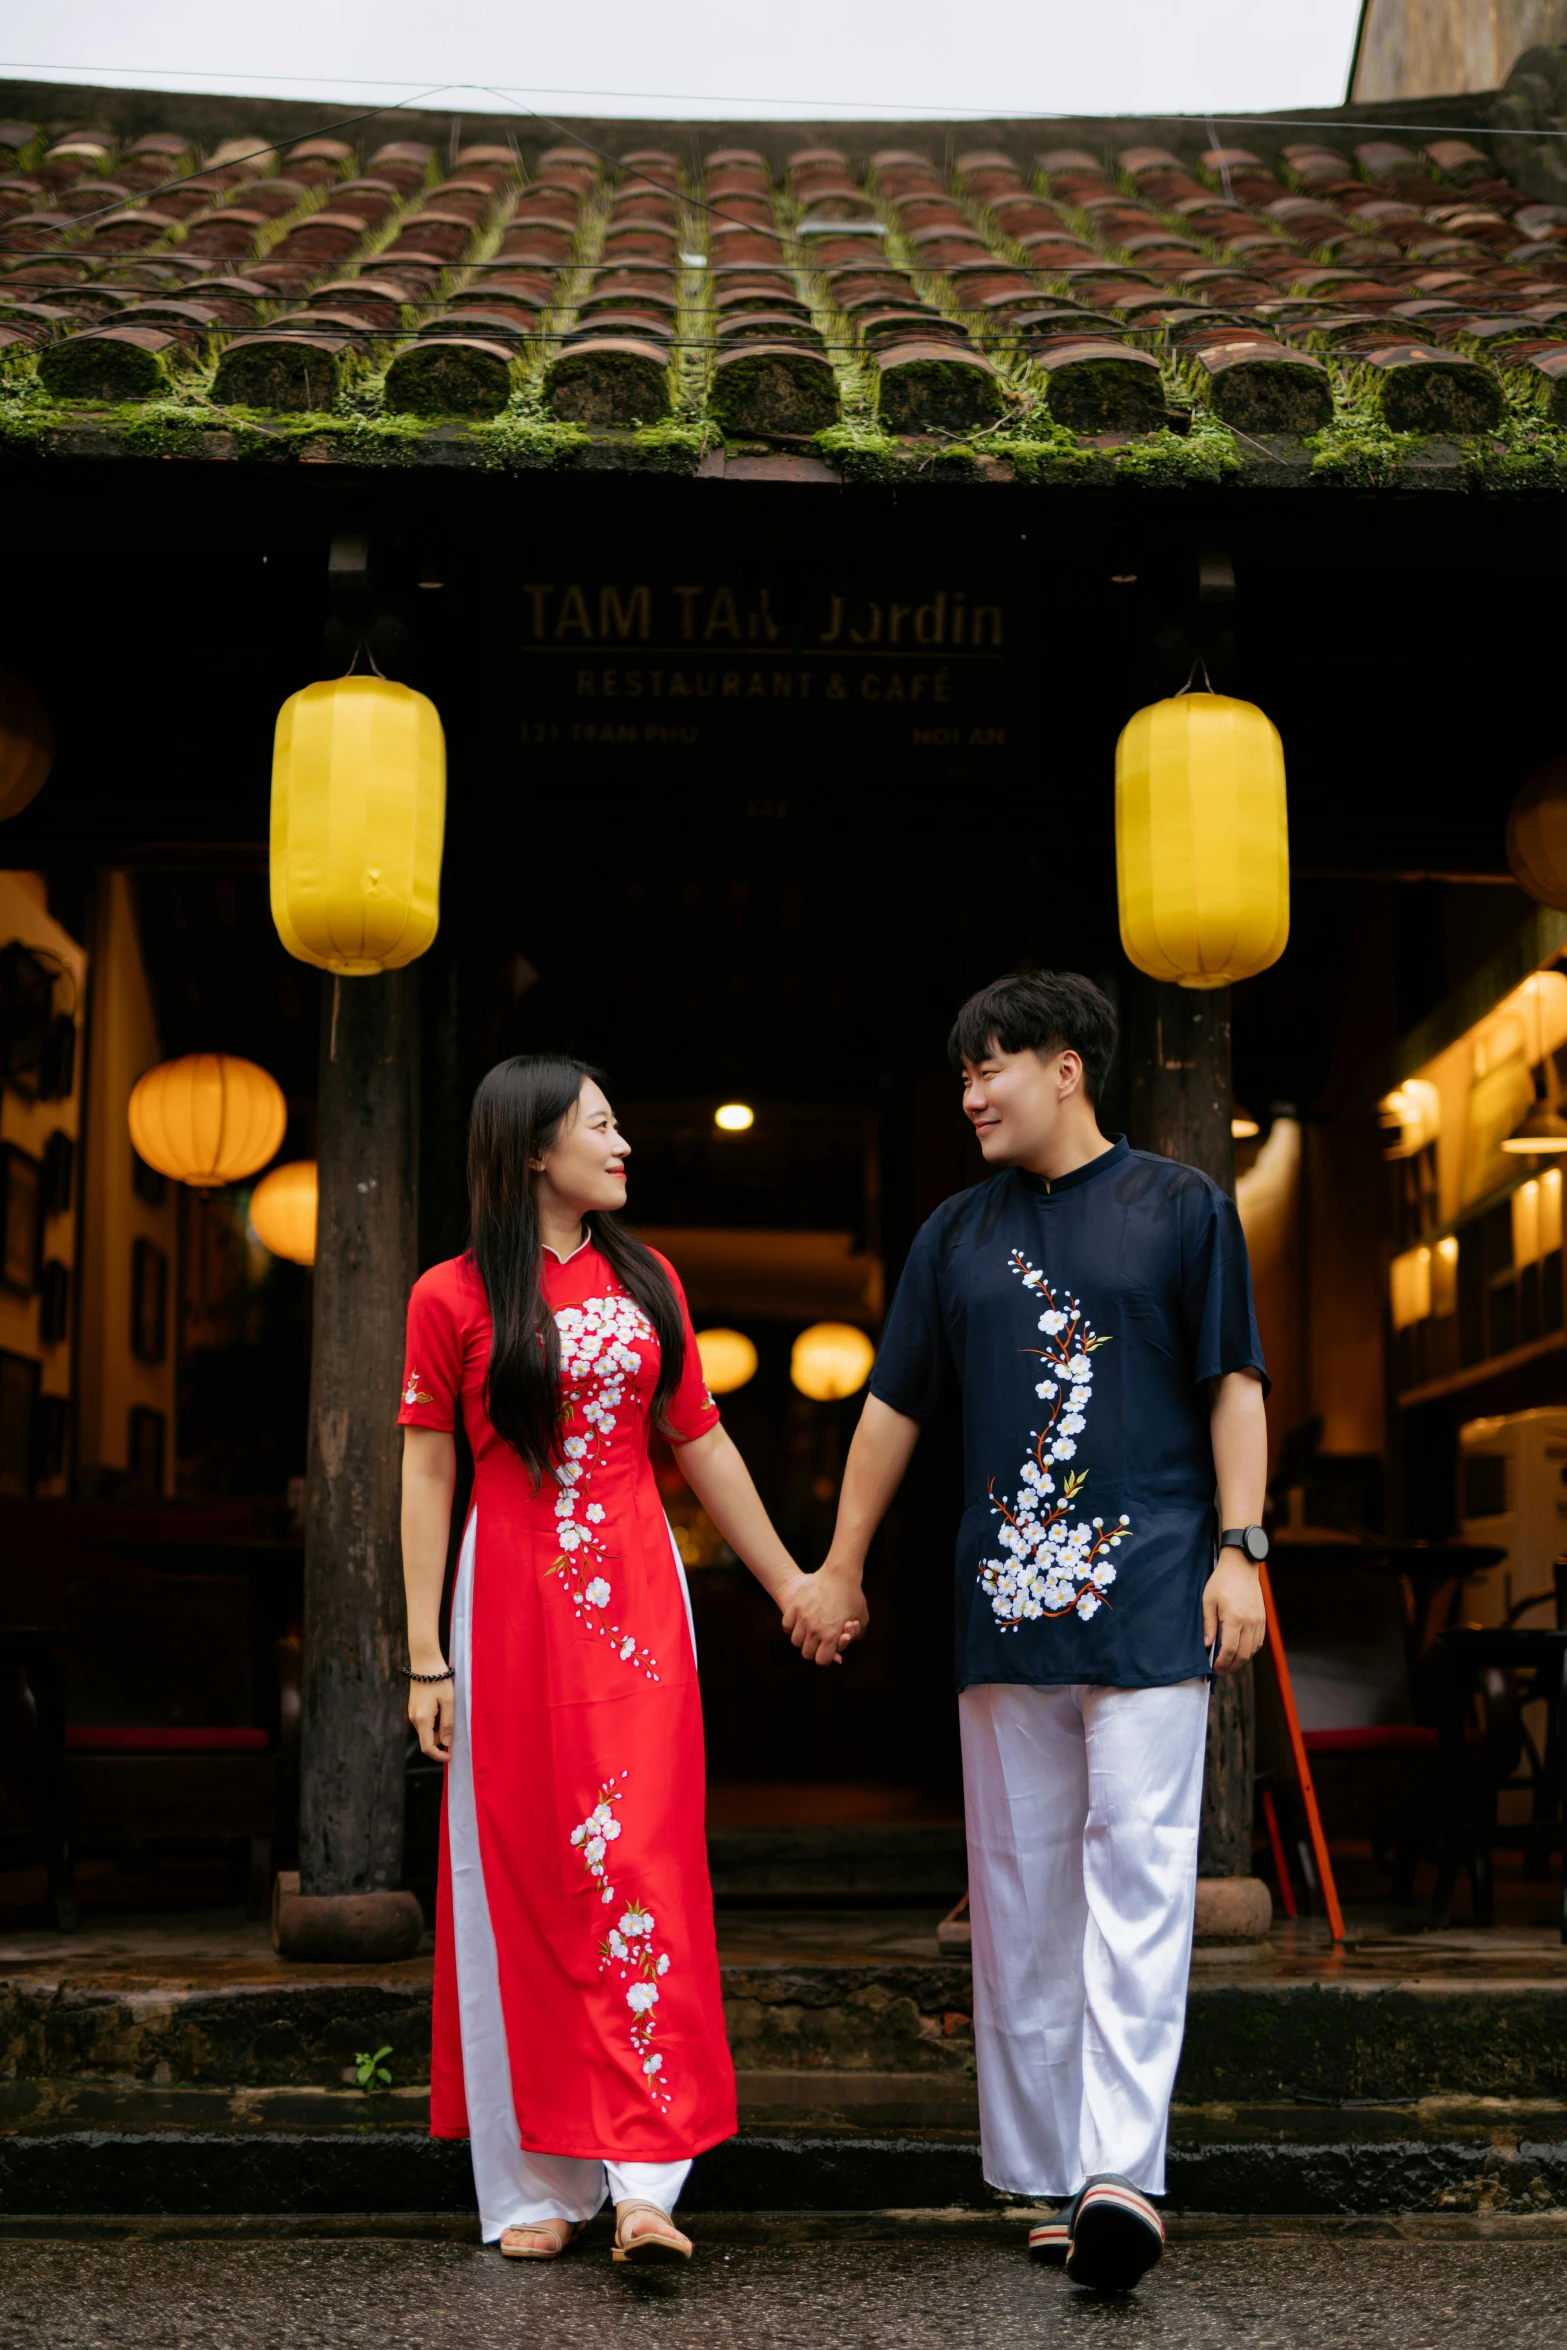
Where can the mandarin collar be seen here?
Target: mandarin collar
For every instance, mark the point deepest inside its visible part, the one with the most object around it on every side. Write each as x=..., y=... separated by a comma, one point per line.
x=585, y=1242
x=1052, y=1187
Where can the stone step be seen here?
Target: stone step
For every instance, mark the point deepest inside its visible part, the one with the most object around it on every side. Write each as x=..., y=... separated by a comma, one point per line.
x=88, y=2148
x=1251, y=2037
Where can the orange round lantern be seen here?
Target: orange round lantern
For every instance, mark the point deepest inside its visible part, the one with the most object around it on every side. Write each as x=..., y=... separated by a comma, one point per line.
x=26, y=745
x=207, y=1119
x=831, y=1360
x=283, y=1211
x=1537, y=835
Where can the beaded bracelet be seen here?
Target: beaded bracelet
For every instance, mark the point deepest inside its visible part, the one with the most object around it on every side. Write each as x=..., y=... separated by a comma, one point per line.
x=410, y=1675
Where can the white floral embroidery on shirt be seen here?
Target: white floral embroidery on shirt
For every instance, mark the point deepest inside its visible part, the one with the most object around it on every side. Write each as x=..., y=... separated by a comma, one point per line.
x=1054, y=1566
x=598, y=1359
x=413, y=1393
x=628, y=1948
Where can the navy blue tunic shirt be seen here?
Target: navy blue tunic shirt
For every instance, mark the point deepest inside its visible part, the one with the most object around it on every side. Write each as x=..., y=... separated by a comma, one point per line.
x=1079, y=1320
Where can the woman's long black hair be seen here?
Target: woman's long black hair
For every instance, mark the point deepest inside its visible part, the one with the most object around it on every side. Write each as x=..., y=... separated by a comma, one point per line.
x=517, y=1113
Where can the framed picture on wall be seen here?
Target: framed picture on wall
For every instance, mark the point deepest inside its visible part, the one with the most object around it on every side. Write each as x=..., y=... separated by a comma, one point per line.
x=144, y=1452
x=148, y=1185
x=18, y=1397
x=149, y=1302
x=59, y=1166
x=51, y=1436
x=54, y=1303
x=21, y=1203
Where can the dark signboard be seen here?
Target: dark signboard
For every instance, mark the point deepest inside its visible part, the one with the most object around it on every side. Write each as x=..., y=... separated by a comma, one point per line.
x=610, y=665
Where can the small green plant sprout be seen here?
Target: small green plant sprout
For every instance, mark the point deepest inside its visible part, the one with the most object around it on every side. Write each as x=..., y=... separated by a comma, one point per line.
x=370, y=2072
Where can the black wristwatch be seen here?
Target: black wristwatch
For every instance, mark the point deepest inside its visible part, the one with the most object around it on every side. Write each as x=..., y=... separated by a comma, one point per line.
x=1251, y=1539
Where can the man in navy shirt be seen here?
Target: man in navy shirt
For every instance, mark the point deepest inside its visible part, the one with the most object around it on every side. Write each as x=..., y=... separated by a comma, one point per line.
x=1091, y=1307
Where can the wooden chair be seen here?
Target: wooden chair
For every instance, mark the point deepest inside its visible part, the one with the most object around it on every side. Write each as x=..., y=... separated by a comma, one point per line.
x=164, y=1686
x=1375, y=1765
x=32, y=1762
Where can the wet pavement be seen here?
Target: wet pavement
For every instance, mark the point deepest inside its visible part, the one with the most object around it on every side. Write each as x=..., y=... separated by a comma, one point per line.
x=899, y=2290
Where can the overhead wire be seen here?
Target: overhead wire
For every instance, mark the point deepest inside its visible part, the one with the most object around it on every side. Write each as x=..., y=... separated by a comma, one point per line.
x=880, y=107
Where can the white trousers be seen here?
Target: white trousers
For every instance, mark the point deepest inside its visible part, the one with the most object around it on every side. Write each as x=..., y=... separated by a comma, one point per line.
x=1083, y=1809
x=513, y=2186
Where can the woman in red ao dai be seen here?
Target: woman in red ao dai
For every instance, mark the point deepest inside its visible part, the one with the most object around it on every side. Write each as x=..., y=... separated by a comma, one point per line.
x=578, y=2037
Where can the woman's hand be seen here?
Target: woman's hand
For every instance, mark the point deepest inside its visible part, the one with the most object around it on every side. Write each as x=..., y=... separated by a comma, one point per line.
x=432, y=1707
x=824, y=1612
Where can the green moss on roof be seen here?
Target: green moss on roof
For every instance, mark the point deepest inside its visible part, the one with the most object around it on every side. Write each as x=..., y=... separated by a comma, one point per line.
x=1358, y=449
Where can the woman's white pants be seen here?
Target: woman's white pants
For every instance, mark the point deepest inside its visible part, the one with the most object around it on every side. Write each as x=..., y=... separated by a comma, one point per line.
x=1083, y=1809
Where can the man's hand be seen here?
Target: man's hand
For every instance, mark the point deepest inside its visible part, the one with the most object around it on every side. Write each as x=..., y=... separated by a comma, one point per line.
x=1232, y=1612
x=824, y=1612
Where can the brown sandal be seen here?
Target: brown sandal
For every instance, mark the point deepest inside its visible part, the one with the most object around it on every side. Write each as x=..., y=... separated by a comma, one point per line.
x=663, y=2242
x=557, y=2233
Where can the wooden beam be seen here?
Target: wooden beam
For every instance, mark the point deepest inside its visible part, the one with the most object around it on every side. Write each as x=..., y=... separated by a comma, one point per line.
x=1182, y=1100
x=352, y=1732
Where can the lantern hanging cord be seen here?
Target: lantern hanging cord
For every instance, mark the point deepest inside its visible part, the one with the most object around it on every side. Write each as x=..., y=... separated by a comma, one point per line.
x=352, y=670
x=1207, y=682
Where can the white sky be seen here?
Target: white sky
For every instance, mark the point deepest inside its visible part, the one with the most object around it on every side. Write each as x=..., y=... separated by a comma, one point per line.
x=711, y=57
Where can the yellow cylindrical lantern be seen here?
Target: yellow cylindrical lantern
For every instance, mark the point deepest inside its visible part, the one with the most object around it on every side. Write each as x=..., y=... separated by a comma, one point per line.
x=26, y=745
x=283, y=1211
x=358, y=818
x=1201, y=841
x=1537, y=835
x=830, y=1360
x=207, y=1119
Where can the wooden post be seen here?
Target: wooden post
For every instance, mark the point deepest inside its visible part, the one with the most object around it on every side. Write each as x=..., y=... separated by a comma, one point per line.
x=347, y=1903
x=1182, y=1100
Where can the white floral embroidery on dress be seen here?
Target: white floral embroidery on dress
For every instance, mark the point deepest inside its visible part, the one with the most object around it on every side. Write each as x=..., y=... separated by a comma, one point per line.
x=413, y=1393
x=628, y=1948
x=598, y=1359
x=1053, y=1566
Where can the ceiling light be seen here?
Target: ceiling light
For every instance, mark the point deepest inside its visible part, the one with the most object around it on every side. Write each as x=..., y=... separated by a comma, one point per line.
x=1243, y=1126
x=1542, y=1130
x=734, y=1117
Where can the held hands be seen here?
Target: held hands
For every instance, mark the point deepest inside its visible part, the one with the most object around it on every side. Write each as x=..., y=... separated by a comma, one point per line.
x=1233, y=1613
x=824, y=1612
x=432, y=1710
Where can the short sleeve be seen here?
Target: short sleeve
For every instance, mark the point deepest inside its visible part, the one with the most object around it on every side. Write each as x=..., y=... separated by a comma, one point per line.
x=1217, y=1307
x=432, y=1364
x=913, y=1371
x=690, y=1411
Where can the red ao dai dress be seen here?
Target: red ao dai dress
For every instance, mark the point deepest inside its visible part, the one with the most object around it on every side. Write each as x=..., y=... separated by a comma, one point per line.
x=578, y=2021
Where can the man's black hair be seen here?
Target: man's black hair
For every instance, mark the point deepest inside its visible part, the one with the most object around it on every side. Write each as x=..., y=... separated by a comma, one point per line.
x=1042, y=1012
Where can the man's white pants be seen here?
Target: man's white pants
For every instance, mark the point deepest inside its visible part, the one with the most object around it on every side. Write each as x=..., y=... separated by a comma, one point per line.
x=1083, y=1810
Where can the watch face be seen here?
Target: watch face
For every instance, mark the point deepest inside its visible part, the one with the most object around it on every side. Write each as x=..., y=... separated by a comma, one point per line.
x=1256, y=1544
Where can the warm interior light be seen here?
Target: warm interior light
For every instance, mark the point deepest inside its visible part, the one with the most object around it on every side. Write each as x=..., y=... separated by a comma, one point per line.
x=728, y=1359
x=1411, y=1287
x=1526, y=1222
x=1412, y=1116
x=1244, y=1127
x=283, y=1211
x=734, y=1117
x=1550, y=1210
x=830, y=1360
x=1444, y=1277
